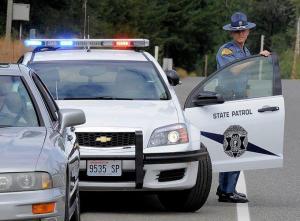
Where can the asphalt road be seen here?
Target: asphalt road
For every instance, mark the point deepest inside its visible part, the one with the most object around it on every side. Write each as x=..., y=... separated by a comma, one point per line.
x=274, y=194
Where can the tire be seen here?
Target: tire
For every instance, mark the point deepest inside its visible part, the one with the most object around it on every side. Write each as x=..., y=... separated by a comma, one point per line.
x=193, y=199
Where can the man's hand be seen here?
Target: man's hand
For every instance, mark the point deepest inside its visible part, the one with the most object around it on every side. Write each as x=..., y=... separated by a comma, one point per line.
x=265, y=53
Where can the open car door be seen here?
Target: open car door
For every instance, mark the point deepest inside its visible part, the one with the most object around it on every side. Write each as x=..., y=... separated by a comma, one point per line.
x=239, y=111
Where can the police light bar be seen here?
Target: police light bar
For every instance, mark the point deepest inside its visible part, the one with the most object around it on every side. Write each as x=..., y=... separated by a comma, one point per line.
x=89, y=43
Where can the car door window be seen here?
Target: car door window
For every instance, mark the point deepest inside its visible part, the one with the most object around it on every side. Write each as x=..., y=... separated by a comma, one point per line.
x=16, y=106
x=47, y=98
x=248, y=78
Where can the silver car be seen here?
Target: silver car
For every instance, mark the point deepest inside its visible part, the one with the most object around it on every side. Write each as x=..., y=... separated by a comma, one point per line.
x=39, y=155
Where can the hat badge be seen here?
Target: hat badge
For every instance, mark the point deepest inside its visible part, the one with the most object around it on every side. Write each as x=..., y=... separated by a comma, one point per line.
x=240, y=23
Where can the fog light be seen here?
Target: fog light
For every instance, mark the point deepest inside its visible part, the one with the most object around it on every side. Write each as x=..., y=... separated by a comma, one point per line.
x=43, y=208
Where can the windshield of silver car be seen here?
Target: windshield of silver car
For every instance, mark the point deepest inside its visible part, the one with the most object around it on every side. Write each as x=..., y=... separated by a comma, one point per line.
x=102, y=80
x=16, y=107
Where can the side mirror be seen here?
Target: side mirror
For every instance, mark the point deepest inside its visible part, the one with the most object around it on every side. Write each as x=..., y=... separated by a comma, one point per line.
x=70, y=118
x=208, y=98
x=173, y=77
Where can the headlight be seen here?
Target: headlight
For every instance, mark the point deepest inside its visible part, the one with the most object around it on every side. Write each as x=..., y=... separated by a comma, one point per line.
x=16, y=182
x=169, y=135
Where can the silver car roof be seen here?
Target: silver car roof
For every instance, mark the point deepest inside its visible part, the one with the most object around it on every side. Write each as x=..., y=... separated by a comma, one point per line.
x=13, y=69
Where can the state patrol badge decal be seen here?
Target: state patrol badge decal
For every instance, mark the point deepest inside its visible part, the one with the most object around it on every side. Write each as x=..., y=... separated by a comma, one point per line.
x=235, y=141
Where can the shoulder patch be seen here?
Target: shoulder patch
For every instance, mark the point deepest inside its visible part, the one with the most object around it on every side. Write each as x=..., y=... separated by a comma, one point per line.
x=226, y=51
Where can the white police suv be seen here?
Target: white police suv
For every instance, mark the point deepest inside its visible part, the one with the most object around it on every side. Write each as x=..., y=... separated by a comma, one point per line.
x=136, y=135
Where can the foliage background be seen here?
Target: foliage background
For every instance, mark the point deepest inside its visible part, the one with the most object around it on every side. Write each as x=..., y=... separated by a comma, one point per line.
x=185, y=30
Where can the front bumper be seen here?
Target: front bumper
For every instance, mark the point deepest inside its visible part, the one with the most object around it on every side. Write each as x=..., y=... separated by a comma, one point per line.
x=18, y=205
x=146, y=171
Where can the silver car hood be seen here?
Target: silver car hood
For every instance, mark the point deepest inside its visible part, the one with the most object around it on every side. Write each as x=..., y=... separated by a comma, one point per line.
x=20, y=148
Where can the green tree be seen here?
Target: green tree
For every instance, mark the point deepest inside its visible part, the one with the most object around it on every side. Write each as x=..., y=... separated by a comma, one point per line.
x=185, y=30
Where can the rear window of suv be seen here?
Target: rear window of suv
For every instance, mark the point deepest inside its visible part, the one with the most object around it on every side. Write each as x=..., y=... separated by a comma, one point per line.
x=116, y=80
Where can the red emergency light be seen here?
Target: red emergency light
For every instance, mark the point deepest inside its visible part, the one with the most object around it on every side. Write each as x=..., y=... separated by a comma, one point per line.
x=122, y=44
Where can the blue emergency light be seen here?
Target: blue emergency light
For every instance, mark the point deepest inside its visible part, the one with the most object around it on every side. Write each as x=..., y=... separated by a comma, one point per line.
x=66, y=43
x=33, y=43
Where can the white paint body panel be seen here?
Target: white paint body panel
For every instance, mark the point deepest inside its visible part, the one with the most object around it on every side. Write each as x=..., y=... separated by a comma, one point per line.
x=125, y=115
x=84, y=55
x=264, y=130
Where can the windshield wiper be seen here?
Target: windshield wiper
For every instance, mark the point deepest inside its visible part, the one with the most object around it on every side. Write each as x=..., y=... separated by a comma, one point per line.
x=97, y=98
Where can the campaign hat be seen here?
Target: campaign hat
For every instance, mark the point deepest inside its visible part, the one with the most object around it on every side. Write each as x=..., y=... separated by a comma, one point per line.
x=239, y=22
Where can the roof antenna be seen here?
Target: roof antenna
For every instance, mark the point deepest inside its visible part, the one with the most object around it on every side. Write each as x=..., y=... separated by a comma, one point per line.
x=84, y=24
x=88, y=33
x=88, y=29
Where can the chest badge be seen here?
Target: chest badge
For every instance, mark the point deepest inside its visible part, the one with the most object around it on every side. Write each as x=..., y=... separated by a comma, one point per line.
x=103, y=139
x=235, y=141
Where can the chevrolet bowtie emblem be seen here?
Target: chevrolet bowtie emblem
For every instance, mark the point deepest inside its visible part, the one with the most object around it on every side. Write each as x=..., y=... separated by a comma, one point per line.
x=103, y=139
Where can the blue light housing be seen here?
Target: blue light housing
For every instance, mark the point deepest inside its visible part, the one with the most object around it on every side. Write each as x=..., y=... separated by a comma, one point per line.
x=66, y=43
x=33, y=43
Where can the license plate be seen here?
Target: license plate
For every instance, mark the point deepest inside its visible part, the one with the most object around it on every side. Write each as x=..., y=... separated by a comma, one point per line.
x=104, y=168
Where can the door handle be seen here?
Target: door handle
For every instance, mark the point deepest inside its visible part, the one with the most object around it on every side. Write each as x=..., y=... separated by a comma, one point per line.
x=264, y=109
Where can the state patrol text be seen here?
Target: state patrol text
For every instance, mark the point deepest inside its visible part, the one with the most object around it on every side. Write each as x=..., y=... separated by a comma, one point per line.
x=233, y=113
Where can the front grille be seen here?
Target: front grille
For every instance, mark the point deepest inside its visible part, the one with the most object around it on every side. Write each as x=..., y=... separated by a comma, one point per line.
x=114, y=139
x=171, y=175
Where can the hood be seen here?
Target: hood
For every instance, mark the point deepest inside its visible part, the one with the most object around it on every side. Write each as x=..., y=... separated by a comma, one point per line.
x=144, y=115
x=20, y=148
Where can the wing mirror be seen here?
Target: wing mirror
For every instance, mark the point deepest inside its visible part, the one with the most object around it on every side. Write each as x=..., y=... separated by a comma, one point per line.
x=208, y=98
x=173, y=77
x=70, y=118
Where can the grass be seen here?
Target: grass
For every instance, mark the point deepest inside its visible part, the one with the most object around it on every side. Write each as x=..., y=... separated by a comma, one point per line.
x=11, y=51
x=286, y=59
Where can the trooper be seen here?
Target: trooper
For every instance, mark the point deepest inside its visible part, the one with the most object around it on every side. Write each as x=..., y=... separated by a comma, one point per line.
x=239, y=29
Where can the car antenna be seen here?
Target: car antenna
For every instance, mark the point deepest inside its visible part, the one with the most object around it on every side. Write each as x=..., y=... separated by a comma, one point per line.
x=88, y=33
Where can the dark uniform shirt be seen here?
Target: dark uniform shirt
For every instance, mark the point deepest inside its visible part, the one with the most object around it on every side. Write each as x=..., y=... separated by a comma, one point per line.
x=230, y=52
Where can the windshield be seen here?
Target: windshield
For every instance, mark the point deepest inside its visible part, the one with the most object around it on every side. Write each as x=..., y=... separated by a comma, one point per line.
x=116, y=80
x=16, y=107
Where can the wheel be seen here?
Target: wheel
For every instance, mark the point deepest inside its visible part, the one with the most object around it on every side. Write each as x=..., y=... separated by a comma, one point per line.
x=193, y=199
